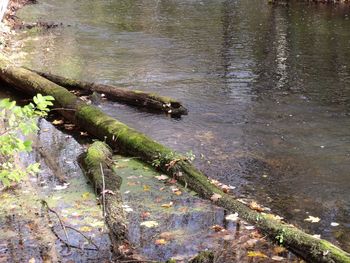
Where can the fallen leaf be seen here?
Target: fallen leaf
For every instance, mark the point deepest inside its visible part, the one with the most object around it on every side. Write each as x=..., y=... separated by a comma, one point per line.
x=167, y=235
x=145, y=214
x=279, y=249
x=160, y=242
x=312, y=219
x=85, y=195
x=178, y=192
x=232, y=217
x=167, y=205
x=217, y=228
x=277, y=258
x=162, y=177
x=215, y=197
x=61, y=187
x=146, y=188
x=256, y=254
x=172, y=181
x=85, y=229
x=149, y=224
x=255, y=206
x=57, y=122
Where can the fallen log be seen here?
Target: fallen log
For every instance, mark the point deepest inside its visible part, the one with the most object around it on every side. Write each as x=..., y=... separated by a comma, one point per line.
x=96, y=163
x=136, y=98
x=129, y=141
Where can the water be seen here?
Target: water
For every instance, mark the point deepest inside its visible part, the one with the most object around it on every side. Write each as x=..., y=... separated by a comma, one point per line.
x=267, y=89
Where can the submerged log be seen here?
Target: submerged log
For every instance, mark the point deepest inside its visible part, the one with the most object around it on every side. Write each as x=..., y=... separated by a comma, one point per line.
x=135, y=98
x=129, y=141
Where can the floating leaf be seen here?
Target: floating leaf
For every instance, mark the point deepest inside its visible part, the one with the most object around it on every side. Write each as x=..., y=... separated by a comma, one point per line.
x=160, y=241
x=217, y=228
x=162, y=177
x=85, y=229
x=149, y=224
x=215, y=197
x=85, y=195
x=145, y=214
x=312, y=219
x=232, y=217
x=57, y=122
x=277, y=258
x=167, y=205
x=256, y=254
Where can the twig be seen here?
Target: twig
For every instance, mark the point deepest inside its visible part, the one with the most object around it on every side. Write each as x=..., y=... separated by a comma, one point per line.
x=59, y=219
x=103, y=192
x=69, y=245
x=86, y=237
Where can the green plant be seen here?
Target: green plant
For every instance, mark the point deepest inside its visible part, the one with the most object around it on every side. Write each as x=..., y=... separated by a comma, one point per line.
x=280, y=237
x=16, y=123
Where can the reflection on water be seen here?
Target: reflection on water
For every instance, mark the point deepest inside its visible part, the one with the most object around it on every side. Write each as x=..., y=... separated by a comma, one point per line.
x=267, y=89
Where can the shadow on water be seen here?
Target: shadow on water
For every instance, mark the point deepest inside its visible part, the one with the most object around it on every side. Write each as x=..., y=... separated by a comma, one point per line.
x=267, y=89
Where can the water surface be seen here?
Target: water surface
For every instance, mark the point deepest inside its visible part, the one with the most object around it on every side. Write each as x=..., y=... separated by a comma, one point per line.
x=267, y=89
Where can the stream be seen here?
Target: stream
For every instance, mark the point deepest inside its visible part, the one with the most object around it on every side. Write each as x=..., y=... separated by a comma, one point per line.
x=267, y=89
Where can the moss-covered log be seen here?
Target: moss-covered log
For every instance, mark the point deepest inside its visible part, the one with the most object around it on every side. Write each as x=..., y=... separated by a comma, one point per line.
x=129, y=141
x=96, y=163
x=135, y=98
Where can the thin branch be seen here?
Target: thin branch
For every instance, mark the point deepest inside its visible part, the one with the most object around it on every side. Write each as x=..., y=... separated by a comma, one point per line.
x=103, y=191
x=59, y=219
x=86, y=237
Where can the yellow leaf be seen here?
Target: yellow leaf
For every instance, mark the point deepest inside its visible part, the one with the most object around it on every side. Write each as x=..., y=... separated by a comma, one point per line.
x=146, y=188
x=85, y=195
x=167, y=205
x=256, y=254
x=85, y=229
x=160, y=241
x=57, y=122
x=178, y=192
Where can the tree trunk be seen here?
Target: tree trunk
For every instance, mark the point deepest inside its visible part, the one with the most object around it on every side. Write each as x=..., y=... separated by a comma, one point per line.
x=129, y=141
x=135, y=98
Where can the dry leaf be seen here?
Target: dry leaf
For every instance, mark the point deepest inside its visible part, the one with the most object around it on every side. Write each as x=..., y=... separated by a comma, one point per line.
x=167, y=205
x=215, y=197
x=178, y=192
x=85, y=229
x=277, y=258
x=279, y=249
x=146, y=188
x=160, y=241
x=162, y=177
x=145, y=214
x=255, y=206
x=232, y=217
x=57, y=122
x=256, y=254
x=217, y=228
x=167, y=235
x=149, y=224
x=312, y=219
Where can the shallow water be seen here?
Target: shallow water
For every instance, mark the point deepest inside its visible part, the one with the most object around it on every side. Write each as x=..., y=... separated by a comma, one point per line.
x=267, y=89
